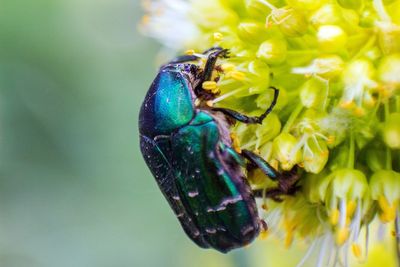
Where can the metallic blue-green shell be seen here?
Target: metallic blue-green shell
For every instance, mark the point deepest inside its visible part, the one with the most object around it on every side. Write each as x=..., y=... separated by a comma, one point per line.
x=168, y=104
x=195, y=167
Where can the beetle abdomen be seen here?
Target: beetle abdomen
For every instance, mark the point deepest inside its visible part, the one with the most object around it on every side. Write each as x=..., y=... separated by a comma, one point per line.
x=212, y=187
x=154, y=153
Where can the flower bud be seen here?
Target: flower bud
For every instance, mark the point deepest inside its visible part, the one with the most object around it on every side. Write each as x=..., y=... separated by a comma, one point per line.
x=331, y=66
x=312, y=93
x=257, y=9
x=347, y=187
x=270, y=128
x=389, y=70
x=245, y=133
x=391, y=131
x=292, y=23
x=327, y=67
x=306, y=4
x=349, y=184
x=389, y=38
x=266, y=151
x=351, y=4
x=260, y=71
x=273, y=51
x=285, y=150
x=252, y=32
x=327, y=14
x=331, y=38
x=265, y=99
x=385, y=188
x=315, y=186
x=368, y=16
x=315, y=155
x=358, y=79
x=356, y=69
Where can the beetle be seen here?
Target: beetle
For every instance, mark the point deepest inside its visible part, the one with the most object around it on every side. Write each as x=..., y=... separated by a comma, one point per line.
x=189, y=150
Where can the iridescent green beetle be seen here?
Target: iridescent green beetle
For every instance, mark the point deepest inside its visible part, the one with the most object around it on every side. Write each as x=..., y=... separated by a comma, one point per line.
x=189, y=151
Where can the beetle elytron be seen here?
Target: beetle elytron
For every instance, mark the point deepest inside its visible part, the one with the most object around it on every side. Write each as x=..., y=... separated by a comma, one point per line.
x=188, y=148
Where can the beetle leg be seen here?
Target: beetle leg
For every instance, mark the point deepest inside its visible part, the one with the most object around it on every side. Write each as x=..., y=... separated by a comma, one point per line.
x=248, y=119
x=211, y=61
x=206, y=74
x=287, y=181
x=275, y=193
x=260, y=163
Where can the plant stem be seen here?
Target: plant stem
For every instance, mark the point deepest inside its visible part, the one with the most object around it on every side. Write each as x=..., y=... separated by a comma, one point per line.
x=388, y=151
x=388, y=159
x=292, y=118
x=350, y=161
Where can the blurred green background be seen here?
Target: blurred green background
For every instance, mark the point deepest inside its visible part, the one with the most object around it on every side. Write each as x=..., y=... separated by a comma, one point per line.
x=74, y=190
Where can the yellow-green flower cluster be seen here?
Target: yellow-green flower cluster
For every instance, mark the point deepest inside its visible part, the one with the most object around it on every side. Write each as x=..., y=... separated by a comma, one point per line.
x=336, y=64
